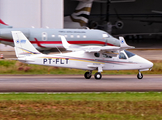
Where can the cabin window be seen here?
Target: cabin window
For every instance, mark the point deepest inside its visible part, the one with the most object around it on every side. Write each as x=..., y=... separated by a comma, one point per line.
x=97, y=54
x=122, y=56
x=71, y=36
x=84, y=36
x=106, y=56
x=53, y=35
x=66, y=36
x=78, y=36
x=59, y=35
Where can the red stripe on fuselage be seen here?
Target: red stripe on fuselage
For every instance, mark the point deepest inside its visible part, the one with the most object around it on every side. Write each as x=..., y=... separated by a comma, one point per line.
x=6, y=40
x=59, y=42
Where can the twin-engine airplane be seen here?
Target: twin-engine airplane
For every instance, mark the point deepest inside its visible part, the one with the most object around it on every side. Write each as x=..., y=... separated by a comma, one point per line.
x=83, y=57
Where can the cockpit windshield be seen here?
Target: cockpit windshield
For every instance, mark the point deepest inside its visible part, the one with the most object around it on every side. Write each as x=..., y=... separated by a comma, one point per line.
x=129, y=54
x=105, y=35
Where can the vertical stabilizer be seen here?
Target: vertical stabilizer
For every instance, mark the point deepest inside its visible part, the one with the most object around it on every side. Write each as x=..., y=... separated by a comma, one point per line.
x=123, y=44
x=4, y=25
x=23, y=47
x=80, y=16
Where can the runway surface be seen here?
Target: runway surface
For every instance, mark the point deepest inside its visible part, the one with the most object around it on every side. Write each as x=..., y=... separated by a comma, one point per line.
x=64, y=83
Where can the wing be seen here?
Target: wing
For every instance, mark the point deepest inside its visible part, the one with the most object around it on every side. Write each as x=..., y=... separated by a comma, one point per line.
x=68, y=46
x=108, y=49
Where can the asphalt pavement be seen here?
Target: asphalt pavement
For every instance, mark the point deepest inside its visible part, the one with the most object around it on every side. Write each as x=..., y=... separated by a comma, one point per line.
x=77, y=83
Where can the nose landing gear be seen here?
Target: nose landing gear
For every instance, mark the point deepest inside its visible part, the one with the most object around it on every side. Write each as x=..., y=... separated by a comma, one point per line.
x=139, y=75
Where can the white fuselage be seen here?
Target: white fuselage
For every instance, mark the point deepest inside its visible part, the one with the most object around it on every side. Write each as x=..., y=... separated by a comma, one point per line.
x=88, y=61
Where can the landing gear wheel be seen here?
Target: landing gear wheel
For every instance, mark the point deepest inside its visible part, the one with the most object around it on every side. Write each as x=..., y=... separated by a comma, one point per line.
x=98, y=75
x=139, y=75
x=87, y=75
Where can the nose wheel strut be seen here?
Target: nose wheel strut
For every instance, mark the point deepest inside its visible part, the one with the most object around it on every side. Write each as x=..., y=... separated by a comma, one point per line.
x=139, y=75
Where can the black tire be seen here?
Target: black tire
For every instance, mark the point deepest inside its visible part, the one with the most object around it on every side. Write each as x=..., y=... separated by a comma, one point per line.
x=139, y=76
x=87, y=75
x=98, y=76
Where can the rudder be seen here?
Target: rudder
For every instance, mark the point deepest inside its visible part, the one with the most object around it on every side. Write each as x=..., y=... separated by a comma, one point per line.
x=23, y=47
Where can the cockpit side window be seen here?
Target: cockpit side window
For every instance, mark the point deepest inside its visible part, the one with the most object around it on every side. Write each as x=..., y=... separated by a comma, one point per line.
x=122, y=56
x=129, y=54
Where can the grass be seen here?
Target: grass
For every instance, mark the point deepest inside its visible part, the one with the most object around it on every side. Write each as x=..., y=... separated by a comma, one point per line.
x=81, y=106
x=16, y=67
x=103, y=96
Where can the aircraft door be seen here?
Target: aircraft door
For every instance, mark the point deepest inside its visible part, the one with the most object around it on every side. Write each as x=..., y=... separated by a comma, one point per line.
x=44, y=36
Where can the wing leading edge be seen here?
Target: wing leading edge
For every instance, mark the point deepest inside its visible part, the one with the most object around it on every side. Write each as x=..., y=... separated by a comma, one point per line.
x=123, y=46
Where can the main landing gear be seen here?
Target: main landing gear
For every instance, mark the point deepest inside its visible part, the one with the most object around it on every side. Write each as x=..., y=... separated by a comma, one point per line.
x=88, y=75
x=97, y=75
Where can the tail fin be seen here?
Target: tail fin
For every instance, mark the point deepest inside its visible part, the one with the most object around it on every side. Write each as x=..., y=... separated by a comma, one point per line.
x=23, y=47
x=80, y=15
x=123, y=44
x=4, y=25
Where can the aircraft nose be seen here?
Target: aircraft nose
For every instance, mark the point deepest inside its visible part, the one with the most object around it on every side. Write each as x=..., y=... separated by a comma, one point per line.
x=144, y=63
x=150, y=64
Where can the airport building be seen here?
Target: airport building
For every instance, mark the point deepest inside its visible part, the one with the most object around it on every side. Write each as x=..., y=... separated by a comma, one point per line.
x=118, y=17
x=32, y=13
x=140, y=15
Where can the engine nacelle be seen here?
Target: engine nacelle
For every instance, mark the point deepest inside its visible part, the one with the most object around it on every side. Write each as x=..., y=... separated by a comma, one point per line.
x=119, y=24
x=93, y=24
